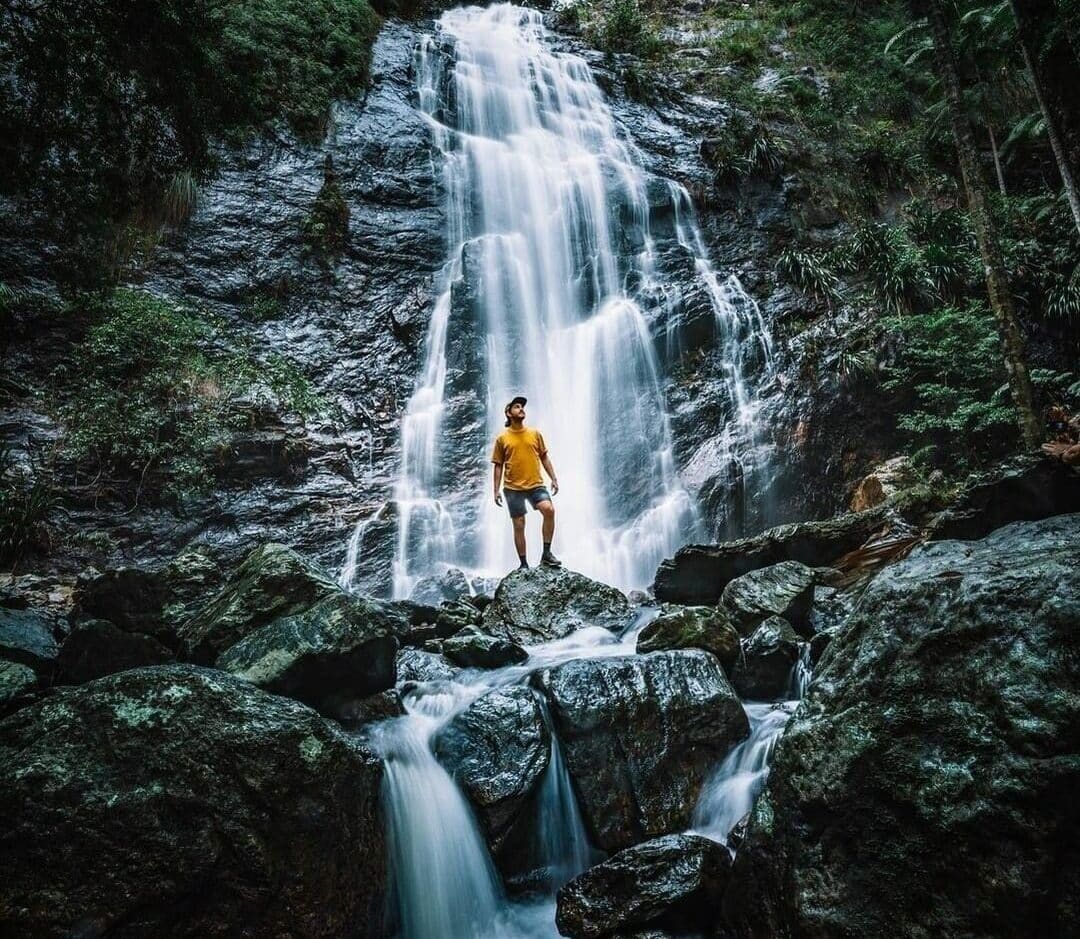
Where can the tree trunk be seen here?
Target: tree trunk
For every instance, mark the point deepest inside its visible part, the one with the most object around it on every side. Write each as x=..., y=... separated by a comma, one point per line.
x=997, y=284
x=1060, y=157
x=1052, y=62
x=997, y=160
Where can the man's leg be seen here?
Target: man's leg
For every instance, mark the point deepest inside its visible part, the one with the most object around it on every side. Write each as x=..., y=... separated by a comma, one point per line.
x=547, y=510
x=519, y=538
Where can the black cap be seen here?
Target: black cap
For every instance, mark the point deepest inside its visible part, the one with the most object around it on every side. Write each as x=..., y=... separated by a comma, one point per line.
x=519, y=399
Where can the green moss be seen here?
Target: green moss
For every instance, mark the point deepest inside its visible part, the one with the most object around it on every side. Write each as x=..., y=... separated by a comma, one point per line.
x=326, y=229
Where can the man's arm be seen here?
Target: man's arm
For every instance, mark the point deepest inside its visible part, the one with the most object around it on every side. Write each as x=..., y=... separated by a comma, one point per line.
x=545, y=461
x=497, y=480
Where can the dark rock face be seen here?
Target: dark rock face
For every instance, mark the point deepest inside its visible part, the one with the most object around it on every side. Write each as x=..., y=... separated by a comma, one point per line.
x=274, y=581
x=640, y=733
x=99, y=648
x=17, y=684
x=179, y=801
x=339, y=650
x=676, y=879
x=369, y=710
x=454, y=616
x=26, y=638
x=699, y=573
x=785, y=589
x=692, y=627
x=418, y=665
x=474, y=649
x=934, y=756
x=541, y=604
x=497, y=749
x=763, y=672
x=450, y=585
x=1027, y=488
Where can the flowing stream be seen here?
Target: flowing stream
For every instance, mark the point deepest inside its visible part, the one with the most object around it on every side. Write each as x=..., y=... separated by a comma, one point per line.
x=551, y=257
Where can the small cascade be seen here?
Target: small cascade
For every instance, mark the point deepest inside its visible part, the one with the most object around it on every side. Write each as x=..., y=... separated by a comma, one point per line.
x=562, y=847
x=731, y=791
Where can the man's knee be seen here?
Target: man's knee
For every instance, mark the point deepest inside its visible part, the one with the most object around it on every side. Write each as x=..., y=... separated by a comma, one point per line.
x=518, y=522
x=547, y=509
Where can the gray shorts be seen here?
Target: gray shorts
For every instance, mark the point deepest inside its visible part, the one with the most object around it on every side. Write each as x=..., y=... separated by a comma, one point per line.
x=516, y=499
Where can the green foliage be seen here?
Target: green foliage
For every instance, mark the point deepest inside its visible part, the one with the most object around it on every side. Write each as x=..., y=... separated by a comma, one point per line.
x=947, y=368
x=326, y=229
x=623, y=26
x=149, y=395
x=110, y=110
x=746, y=149
x=809, y=271
x=25, y=503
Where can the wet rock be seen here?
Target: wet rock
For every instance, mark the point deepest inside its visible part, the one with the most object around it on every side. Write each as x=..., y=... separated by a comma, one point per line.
x=274, y=581
x=98, y=648
x=640, y=733
x=147, y=601
x=699, y=573
x=177, y=800
x=1026, y=488
x=341, y=649
x=935, y=749
x=454, y=616
x=17, y=684
x=450, y=585
x=26, y=638
x=785, y=589
x=676, y=880
x=763, y=671
x=543, y=603
x=471, y=648
x=881, y=483
x=420, y=666
x=692, y=627
x=373, y=708
x=497, y=749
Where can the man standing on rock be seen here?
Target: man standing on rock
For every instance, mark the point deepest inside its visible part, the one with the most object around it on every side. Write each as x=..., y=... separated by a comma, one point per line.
x=519, y=453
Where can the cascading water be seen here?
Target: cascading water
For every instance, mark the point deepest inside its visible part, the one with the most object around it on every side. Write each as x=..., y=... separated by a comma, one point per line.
x=549, y=238
x=443, y=881
x=730, y=793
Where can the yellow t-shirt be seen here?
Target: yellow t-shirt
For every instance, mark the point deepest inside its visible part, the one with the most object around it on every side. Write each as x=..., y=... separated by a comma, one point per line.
x=520, y=451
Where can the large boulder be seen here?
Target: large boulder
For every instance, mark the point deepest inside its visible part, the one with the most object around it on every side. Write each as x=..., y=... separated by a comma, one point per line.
x=27, y=638
x=452, y=584
x=545, y=603
x=692, y=627
x=176, y=800
x=421, y=666
x=98, y=648
x=153, y=602
x=273, y=581
x=764, y=670
x=497, y=749
x=471, y=648
x=640, y=733
x=698, y=574
x=785, y=589
x=935, y=755
x=1026, y=488
x=17, y=684
x=340, y=650
x=675, y=881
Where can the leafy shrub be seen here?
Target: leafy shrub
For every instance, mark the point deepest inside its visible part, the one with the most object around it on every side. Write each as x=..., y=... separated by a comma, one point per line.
x=624, y=26
x=150, y=396
x=746, y=149
x=110, y=110
x=25, y=502
x=326, y=229
x=948, y=367
x=810, y=272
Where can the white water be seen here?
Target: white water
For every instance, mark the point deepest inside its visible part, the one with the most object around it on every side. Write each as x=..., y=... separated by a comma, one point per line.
x=736, y=783
x=548, y=226
x=444, y=883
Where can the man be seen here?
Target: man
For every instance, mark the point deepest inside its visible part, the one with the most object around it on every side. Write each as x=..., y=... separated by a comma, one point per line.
x=519, y=453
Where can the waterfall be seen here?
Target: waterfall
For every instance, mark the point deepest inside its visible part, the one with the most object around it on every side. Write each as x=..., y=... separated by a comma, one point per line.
x=731, y=790
x=551, y=255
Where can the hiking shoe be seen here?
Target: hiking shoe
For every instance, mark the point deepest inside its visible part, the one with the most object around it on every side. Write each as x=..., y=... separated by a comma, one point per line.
x=549, y=560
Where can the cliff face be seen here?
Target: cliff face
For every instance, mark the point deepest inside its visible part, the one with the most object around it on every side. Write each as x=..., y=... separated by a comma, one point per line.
x=354, y=323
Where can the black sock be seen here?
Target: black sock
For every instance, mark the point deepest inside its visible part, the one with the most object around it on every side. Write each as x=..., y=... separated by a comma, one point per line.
x=524, y=563
x=547, y=547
